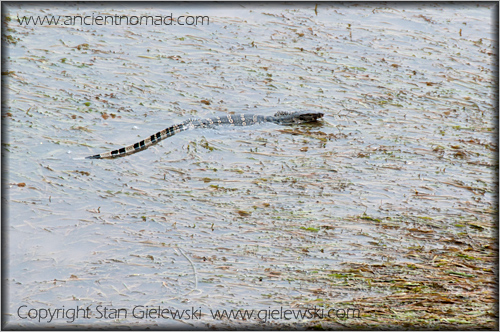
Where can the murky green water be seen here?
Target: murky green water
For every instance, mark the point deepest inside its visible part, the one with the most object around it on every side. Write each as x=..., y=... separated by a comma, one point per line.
x=240, y=218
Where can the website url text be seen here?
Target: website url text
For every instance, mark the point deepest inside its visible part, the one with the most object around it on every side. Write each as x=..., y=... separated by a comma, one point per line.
x=114, y=20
